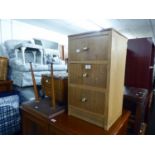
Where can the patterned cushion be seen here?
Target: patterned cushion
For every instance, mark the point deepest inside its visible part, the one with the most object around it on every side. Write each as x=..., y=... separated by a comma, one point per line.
x=9, y=120
x=9, y=113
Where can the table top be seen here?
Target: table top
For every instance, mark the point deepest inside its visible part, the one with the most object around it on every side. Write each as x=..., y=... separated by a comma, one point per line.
x=73, y=125
x=43, y=107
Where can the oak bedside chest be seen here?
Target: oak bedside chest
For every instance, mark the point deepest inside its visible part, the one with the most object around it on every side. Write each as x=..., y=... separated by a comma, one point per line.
x=96, y=76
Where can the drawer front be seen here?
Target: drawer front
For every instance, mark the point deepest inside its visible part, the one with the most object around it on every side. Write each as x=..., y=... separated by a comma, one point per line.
x=60, y=88
x=88, y=100
x=89, y=48
x=88, y=74
x=59, y=84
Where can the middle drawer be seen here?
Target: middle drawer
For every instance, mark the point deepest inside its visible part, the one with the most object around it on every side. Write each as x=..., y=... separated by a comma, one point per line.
x=88, y=74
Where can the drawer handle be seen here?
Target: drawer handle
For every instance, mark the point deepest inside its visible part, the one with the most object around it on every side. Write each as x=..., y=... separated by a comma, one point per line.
x=85, y=48
x=84, y=99
x=78, y=51
x=84, y=74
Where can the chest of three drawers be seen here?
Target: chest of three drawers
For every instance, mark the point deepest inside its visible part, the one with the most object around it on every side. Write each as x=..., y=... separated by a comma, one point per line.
x=96, y=76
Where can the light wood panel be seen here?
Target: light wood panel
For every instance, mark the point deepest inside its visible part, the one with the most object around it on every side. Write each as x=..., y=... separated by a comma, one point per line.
x=116, y=77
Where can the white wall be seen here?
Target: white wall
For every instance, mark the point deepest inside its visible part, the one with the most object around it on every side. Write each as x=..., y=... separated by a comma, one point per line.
x=12, y=29
x=5, y=29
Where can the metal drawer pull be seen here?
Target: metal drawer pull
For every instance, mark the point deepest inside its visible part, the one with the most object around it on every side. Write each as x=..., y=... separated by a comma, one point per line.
x=85, y=48
x=77, y=50
x=84, y=74
x=84, y=99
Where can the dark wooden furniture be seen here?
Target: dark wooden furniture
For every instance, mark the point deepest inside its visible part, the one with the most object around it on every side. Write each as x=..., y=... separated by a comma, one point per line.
x=140, y=63
x=36, y=115
x=140, y=66
x=36, y=120
x=135, y=100
x=5, y=85
x=62, y=52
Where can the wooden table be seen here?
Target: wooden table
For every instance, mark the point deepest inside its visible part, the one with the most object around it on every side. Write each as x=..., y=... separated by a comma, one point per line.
x=37, y=121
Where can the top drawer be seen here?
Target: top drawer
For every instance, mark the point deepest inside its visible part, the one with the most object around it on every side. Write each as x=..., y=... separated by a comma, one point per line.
x=89, y=48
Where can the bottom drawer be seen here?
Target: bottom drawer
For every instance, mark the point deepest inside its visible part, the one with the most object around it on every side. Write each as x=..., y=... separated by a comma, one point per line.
x=87, y=105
